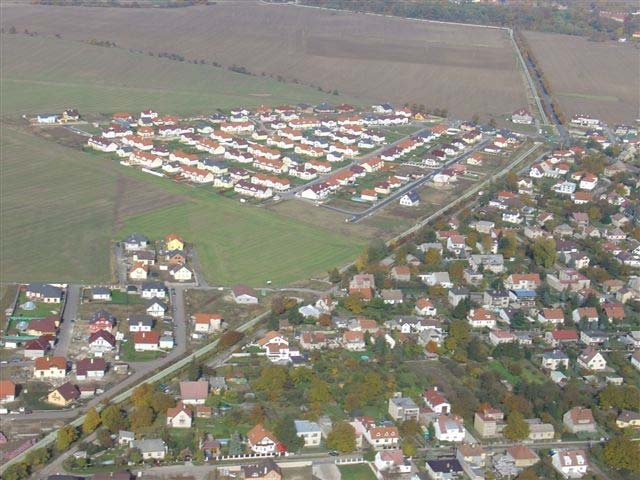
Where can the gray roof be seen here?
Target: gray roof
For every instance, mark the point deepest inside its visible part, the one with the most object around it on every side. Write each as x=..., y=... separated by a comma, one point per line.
x=305, y=426
x=136, y=238
x=45, y=289
x=153, y=286
x=149, y=445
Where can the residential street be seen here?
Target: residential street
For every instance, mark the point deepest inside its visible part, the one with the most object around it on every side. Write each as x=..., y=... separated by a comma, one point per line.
x=68, y=318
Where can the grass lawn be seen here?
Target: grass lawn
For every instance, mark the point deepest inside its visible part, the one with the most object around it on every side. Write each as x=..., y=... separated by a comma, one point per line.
x=41, y=309
x=360, y=471
x=504, y=373
x=128, y=353
x=7, y=295
x=48, y=74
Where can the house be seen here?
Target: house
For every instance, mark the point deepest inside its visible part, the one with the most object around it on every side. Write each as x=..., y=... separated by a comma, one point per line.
x=50, y=367
x=64, y=395
x=522, y=117
x=38, y=347
x=628, y=419
x=527, y=281
x=425, y=307
x=139, y=271
x=101, y=342
x=179, y=416
x=156, y=308
x=140, y=323
x=635, y=359
x=444, y=469
x=579, y=419
x=125, y=437
x=436, y=401
x=522, y=456
x=592, y=359
x=401, y=273
x=498, y=337
x=151, y=448
x=146, y=341
x=262, y=441
x=207, y=322
x=43, y=292
x=101, y=320
x=402, y=408
x=90, y=369
x=173, y=242
x=194, y=393
x=43, y=326
x=589, y=314
x=570, y=463
x=556, y=337
x=265, y=470
x=353, y=341
x=489, y=422
x=613, y=311
x=481, y=318
x=362, y=285
x=391, y=296
x=554, y=360
x=410, y=199
x=457, y=295
x=135, y=242
x=539, y=430
x=181, y=273
x=436, y=278
x=151, y=290
x=449, y=428
x=275, y=345
x=244, y=294
x=392, y=462
x=382, y=437
x=554, y=316
x=101, y=294
x=8, y=391
x=310, y=432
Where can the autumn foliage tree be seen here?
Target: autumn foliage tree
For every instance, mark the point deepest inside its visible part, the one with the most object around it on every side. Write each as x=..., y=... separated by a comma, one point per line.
x=342, y=438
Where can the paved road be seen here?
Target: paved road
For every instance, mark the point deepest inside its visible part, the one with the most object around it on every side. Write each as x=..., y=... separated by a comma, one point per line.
x=68, y=317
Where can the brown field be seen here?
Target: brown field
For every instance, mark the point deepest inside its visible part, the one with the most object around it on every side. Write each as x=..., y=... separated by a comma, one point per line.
x=467, y=70
x=598, y=79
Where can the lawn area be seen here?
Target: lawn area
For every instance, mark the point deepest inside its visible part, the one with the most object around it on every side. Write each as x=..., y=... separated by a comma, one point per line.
x=41, y=309
x=239, y=243
x=128, y=353
x=504, y=373
x=361, y=471
x=47, y=74
x=7, y=295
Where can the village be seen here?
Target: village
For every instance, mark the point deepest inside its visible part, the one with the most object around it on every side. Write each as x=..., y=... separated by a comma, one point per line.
x=501, y=342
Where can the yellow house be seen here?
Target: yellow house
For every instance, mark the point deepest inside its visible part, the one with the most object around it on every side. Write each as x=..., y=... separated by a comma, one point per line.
x=63, y=395
x=628, y=419
x=174, y=242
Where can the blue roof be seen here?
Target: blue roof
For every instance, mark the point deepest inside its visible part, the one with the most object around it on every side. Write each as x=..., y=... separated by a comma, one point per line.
x=525, y=293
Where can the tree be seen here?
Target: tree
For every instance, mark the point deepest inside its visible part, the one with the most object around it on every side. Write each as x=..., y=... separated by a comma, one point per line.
x=160, y=402
x=194, y=371
x=624, y=397
x=544, y=252
x=516, y=428
x=342, y=438
x=318, y=392
x=277, y=305
x=456, y=271
x=66, y=436
x=272, y=381
x=38, y=457
x=104, y=438
x=134, y=455
x=17, y=471
x=142, y=418
x=285, y=432
x=141, y=395
x=409, y=448
x=622, y=453
x=112, y=418
x=432, y=347
x=91, y=421
x=353, y=303
x=334, y=276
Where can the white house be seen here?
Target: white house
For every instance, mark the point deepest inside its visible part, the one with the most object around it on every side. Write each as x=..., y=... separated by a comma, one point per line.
x=592, y=359
x=449, y=428
x=570, y=463
x=310, y=432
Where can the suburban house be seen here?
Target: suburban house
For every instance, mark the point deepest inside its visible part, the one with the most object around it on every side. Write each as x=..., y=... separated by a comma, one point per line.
x=194, y=393
x=489, y=422
x=382, y=437
x=275, y=345
x=101, y=342
x=64, y=395
x=436, y=401
x=310, y=432
x=265, y=470
x=592, y=359
x=481, y=318
x=151, y=448
x=443, y=469
x=363, y=285
x=522, y=456
x=244, y=294
x=156, y=308
x=135, y=242
x=425, y=307
x=150, y=290
x=207, y=322
x=101, y=294
x=402, y=408
x=90, y=369
x=146, y=341
x=449, y=428
x=579, y=419
x=43, y=292
x=179, y=416
x=101, y=320
x=570, y=463
x=8, y=391
x=50, y=367
x=38, y=347
x=390, y=462
x=554, y=360
x=353, y=341
x=262, y=440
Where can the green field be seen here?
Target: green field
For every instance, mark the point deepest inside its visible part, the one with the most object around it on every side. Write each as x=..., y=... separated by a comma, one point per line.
x=43, y=74
x=61, y=208
x=360, y=471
